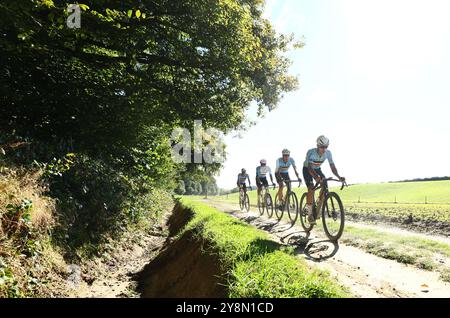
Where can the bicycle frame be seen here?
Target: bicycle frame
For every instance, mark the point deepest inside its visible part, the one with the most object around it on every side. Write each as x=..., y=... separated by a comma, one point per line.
x=289, y=188
x=323, y=187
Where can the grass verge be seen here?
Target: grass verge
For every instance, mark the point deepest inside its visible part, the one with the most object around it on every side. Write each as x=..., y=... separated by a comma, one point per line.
x=255, y=265
x=423, y=253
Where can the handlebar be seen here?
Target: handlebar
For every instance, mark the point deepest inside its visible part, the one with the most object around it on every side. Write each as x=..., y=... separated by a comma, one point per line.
x=291, y=181
x=344, y=183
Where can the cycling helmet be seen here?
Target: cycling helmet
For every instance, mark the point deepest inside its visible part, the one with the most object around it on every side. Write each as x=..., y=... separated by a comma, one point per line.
x=243, y=170
x=263, y=161
x=323, y=141
x=286, y=152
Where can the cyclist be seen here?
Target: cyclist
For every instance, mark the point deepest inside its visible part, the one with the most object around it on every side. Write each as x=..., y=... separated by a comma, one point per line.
x=261, y=175
x=282, y=173
x=311, y=169
x=242, y=177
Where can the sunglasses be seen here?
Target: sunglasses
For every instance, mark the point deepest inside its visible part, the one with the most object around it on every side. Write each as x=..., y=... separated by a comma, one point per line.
x=323, y=147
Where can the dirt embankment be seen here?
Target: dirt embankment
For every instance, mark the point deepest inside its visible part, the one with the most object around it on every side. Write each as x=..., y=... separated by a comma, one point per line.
x=187, y=266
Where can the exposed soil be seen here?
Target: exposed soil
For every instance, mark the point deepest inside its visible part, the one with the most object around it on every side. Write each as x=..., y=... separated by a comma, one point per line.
x=409, y=223
x=365, y=275
x=115, y=277
x=160, y=265
x=186, y=268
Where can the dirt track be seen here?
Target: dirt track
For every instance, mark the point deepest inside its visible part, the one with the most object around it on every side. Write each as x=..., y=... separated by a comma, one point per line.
x=366, y=275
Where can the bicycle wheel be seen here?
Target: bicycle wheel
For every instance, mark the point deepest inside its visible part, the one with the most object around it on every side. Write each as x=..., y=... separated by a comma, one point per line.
x=241, y=201
x=247, y=202
x=304, y=215
x=333, y=217
x=292, y=207
x=279, y=213
x=269, y=205
x=261, y=204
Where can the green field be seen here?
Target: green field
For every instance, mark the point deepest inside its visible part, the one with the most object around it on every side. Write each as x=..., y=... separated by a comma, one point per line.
x=379, y=199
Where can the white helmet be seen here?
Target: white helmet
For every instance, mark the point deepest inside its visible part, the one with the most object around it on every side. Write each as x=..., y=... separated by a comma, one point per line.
x=286, y=152
x=263, y=161
x=323, y=141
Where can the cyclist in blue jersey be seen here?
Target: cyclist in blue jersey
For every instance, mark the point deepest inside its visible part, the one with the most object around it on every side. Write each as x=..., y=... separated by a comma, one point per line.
x=242, y=177
x=261, y=175
x=282, y=172
x=311, y=170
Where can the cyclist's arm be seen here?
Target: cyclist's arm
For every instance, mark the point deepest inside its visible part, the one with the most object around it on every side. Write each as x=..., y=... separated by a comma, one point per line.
x=296, y=172
x=295, y=168
x=333, y=166
x=248, y=178
x=334, y=170
x=277, y=167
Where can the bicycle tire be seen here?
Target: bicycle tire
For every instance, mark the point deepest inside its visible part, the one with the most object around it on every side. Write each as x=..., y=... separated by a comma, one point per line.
x=261, y=205
x=303, y=215
x=241, y=202
x=293, y=215
x=279, y=213
x=327, y=217
x=247, y=202
x=269, y=205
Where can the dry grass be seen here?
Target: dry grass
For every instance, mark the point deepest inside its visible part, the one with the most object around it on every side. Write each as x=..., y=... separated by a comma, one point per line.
x=21, y=273
x=17, y=185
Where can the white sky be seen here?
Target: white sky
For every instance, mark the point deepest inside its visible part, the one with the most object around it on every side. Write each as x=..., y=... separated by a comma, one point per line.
x=374, y=77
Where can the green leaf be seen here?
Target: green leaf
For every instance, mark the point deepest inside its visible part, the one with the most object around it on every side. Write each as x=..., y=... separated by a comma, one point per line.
x=138, y=13
x=83, y=7
x=130, y=13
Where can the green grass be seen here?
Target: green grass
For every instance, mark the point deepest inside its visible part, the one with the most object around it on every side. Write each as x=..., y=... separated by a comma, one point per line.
x=414, y=250
x=401, y=192
x=256, y=265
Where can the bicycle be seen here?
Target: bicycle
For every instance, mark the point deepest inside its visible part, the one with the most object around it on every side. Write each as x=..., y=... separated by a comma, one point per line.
x=244, y=201
x=289, y=203
x=265, y=201
x=329, y=218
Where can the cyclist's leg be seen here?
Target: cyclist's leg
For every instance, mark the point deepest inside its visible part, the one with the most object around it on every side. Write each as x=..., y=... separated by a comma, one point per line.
x=320, y=173
x=286, y=179
x=280, y=186
x=310, y=196
x=265, y=182
x=258, y=187
x=309, y=184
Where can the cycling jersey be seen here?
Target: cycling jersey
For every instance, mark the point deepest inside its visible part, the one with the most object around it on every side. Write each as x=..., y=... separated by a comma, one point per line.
x=262, y=171
x=283, y=167
x=242, y=178
x=315, y=160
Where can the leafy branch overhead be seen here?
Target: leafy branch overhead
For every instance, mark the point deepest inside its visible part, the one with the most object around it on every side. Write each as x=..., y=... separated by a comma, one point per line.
x=137, y=64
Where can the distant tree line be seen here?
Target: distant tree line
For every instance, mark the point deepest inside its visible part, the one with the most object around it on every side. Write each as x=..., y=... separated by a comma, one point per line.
x=423, y=179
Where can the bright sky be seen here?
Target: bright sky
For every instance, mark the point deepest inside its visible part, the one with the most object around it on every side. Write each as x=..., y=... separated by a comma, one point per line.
x=374, y=78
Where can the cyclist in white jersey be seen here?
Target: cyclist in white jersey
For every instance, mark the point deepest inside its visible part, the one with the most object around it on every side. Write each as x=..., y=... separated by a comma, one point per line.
x=261, y=175
x=311, y=169
x=242, y=178
x=282, y=172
